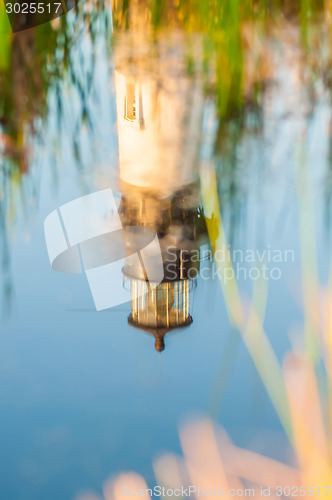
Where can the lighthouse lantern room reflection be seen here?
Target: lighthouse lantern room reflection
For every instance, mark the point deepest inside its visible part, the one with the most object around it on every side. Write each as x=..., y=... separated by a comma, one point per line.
x=159, y=112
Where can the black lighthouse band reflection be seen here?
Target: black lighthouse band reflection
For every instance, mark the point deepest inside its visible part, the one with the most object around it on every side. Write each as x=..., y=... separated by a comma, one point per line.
x=180, y=226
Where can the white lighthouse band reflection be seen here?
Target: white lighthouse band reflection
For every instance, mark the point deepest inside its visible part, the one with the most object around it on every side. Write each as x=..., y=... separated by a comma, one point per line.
x=180, y=229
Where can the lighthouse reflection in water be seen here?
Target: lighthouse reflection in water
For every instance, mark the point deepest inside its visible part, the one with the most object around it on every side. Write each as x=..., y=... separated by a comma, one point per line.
x=159, y=114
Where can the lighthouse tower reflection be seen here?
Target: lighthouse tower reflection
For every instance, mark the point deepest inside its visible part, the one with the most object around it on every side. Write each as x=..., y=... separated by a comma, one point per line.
x=160, y=109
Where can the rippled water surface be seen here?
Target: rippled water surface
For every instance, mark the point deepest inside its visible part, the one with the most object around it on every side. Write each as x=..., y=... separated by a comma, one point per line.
x=180, y=115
